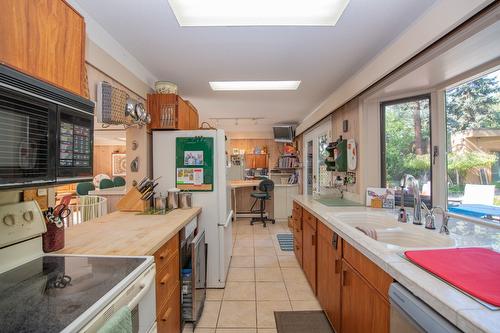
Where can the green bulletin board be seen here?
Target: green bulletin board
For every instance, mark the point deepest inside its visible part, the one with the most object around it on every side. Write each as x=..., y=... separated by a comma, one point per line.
x=194, y=164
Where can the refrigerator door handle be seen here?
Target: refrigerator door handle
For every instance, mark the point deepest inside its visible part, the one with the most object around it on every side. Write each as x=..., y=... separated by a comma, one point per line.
x=228, y=220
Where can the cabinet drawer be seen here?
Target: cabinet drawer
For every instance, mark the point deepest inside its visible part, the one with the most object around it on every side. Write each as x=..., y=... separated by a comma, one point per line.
x=309, y=219
x=379, y=279
x=297, y=211
x=166, y=281
x=163, y=255
x=169, y=318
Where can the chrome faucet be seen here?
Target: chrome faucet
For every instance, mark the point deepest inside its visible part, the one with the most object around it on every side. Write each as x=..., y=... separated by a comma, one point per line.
x=339, y=185
x=409, y=180
x=431, y=217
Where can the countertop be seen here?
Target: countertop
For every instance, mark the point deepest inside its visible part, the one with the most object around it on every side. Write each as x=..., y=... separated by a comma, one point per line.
x=251, y=183
x=126, y=233
x=461, y=310
x=244, y=183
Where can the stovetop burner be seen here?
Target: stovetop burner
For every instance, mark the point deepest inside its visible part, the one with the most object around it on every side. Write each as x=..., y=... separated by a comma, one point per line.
x=50, y=292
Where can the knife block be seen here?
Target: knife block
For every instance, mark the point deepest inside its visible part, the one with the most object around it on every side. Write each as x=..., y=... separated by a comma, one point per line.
x=132, y=202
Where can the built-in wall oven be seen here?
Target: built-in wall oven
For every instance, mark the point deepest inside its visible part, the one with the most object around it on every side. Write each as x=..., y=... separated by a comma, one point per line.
x=46, y=133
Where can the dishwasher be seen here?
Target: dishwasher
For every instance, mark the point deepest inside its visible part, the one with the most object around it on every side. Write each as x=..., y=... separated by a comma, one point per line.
x=409, y=314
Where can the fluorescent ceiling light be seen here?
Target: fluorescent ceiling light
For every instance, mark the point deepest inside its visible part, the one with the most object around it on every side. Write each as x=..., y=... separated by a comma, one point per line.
x=254, y=85
x=258, y=12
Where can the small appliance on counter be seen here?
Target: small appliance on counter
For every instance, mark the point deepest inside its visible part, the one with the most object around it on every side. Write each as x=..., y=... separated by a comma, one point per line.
x=66, y=293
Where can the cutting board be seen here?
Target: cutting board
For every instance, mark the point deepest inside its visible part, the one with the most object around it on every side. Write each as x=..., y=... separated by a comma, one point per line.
x=476, y=271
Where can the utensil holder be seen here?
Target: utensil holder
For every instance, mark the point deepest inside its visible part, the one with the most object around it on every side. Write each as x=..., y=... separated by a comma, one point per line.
x=53, y=239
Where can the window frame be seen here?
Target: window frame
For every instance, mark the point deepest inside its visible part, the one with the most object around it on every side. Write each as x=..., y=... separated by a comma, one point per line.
x=383, y=105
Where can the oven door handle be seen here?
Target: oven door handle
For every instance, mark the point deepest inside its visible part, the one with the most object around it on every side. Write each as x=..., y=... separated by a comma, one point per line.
x=144, y=286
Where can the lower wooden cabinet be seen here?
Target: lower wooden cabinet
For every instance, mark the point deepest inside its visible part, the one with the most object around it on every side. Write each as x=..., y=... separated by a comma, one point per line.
x=309, y=240
x=329, y=268
x=363, y=308
x=297, y=231
x=168, y=319
x=168, y=297
x=351, y=289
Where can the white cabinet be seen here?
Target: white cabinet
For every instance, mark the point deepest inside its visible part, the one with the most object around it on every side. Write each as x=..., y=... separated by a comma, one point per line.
x=283, y=200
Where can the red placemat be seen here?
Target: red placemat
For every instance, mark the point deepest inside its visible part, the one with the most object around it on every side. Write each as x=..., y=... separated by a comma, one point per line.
x=475, y=271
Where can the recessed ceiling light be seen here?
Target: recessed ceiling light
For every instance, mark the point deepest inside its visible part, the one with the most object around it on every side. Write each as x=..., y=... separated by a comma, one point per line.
x=254, y=85
x=257, y=12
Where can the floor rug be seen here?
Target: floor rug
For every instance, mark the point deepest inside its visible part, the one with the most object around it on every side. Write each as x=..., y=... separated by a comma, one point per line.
x=286, y=241
x=302, y=322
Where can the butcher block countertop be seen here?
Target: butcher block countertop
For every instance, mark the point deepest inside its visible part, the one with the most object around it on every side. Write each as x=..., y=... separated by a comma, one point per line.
x=126, y=233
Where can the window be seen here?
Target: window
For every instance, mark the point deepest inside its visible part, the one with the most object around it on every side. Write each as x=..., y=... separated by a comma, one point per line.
x=406, y=142
x=473, y=147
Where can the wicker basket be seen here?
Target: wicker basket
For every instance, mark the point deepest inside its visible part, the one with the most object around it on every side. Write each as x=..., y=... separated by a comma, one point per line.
x=85, y=208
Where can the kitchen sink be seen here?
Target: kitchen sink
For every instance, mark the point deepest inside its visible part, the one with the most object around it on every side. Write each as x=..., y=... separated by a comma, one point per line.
x=414, y=239
x=391, y=232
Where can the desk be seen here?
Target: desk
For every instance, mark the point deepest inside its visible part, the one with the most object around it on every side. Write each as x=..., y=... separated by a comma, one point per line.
x=246, y=187
x=112, y=194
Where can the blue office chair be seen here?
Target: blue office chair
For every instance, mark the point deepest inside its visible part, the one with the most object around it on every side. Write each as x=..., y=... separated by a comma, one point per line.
x=265, y=187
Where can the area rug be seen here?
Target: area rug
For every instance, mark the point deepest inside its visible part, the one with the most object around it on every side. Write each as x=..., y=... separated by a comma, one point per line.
x=285, y=241
x=302, y=322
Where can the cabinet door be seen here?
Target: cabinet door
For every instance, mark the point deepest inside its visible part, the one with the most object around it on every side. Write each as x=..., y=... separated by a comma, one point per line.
x=249, y=161
x=363, y=308
x=193, y=119
x=182, y=114
x=14, y=33
x=56, y=41
x=309, y=254
x=329, y=273
x=261, y=161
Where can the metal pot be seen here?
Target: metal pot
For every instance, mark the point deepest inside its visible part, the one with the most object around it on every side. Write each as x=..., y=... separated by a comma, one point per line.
x=173, y=198
x=185, y=200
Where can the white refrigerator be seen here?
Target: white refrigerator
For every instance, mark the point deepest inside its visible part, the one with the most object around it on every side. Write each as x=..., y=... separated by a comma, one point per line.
x=216, y=214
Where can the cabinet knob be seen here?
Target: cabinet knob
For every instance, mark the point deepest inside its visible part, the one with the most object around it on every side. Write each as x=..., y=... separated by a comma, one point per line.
x=28, y=216
x=165, y=279
x=9, y=220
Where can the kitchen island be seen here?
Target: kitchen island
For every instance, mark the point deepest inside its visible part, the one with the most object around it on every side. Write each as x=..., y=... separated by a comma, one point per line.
x=133, y=234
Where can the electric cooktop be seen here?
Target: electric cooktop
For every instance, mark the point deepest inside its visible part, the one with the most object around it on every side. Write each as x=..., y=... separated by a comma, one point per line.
x=49, y=293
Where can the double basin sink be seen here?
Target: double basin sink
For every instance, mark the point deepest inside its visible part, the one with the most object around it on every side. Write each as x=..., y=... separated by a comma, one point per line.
x=393, y=233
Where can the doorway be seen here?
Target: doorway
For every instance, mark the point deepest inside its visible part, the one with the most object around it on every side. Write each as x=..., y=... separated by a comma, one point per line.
x=316, y=178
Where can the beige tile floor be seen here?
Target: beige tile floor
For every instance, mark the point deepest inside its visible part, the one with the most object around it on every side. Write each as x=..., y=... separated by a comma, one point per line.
x=262, y=279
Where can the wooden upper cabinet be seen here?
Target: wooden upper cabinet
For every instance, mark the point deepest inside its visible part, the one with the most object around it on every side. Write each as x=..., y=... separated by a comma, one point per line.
x=14, y=33
x=45, y=39
x=329, y=267
x=256, y=161
x=170, y=111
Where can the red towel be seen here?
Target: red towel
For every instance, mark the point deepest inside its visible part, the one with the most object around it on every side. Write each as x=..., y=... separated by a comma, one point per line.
x=475, y=271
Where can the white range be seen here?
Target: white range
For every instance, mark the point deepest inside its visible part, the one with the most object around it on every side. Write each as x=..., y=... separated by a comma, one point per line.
x=66, y=293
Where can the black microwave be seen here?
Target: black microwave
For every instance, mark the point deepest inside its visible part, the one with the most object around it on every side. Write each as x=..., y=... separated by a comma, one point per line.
x=46, y=133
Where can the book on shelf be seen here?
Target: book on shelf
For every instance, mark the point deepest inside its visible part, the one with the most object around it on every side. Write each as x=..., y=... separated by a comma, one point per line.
x=287, y=162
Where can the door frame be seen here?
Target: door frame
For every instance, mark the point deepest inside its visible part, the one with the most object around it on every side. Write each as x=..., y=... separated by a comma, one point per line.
x=325, y=127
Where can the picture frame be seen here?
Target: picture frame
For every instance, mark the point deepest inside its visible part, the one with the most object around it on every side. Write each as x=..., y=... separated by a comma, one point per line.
x=119, y=164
